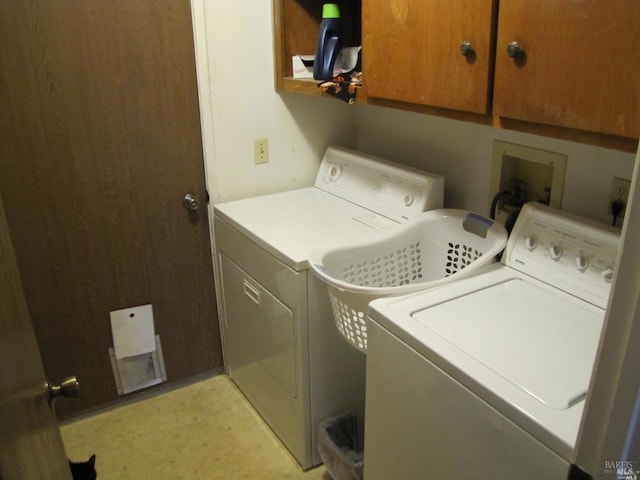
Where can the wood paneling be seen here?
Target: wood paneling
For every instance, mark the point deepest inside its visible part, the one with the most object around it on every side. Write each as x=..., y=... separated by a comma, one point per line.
x=99, y=141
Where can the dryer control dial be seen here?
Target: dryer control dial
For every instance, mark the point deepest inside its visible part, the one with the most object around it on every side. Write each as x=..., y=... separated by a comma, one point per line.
x=334, y=172
x=555, y=251
x=531, y=242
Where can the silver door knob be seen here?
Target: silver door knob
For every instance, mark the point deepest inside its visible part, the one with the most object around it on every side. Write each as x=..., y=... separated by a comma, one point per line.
x=190, y=202
x=68, y=388
x=514, y=50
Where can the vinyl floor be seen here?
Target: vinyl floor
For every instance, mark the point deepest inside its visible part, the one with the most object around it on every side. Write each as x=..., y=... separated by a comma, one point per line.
x=206, y=430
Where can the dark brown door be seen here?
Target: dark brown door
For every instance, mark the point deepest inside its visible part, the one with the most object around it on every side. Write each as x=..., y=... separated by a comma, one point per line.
x=30, y=441
x=99, y=142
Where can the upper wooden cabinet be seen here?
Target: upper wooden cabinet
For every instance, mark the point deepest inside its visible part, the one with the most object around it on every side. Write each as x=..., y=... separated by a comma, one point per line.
x=579, y=66
x=437, y=53
x=577, y=75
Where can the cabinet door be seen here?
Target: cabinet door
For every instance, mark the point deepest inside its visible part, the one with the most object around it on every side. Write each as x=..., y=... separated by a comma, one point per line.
x=580, y=68
x=412, y=51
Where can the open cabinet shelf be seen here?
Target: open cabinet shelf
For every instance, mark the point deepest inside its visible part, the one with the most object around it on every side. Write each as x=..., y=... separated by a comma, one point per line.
x=296, y=26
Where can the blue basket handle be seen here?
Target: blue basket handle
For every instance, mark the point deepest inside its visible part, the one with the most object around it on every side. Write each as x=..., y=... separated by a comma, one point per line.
x=477, y=224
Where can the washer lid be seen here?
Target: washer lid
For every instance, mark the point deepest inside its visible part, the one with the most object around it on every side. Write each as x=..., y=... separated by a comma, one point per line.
x=538, y=341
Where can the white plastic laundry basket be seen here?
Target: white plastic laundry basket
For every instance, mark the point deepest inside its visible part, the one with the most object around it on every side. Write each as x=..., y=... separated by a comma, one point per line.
x=433, y=248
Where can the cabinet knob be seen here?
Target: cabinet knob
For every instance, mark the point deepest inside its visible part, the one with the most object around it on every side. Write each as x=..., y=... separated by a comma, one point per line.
x=466, y=49
x=514, y=50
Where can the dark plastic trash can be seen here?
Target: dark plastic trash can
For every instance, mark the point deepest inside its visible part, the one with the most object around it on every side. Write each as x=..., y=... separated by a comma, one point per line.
x=341, y=446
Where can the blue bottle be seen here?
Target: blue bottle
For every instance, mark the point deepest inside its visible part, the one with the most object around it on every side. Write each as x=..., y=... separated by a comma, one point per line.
x=329, y=42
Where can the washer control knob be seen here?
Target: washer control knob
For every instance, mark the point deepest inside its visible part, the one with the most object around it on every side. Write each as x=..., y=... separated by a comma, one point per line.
x=582, y=262
x=607, y=274
x=408, y=200
x=555, y=251
x=531, y=242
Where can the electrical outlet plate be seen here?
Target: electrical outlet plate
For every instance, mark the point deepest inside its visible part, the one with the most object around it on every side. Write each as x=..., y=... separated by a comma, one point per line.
x=261, y=150
x=619, y=191
x=537, y=174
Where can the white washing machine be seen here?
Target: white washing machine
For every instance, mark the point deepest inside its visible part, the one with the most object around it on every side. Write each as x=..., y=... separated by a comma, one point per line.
x=280, y=343
x=485, y=378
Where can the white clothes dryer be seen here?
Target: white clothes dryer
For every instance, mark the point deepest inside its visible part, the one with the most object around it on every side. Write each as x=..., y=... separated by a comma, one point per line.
x=280, y=343
x=485, y=378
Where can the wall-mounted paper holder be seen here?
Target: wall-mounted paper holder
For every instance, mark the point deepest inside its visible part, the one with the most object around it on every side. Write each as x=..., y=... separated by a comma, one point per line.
x=136, y=355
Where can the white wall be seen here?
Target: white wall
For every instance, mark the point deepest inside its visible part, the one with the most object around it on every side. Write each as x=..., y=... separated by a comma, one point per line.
x=234, y=50
x=462, y=152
